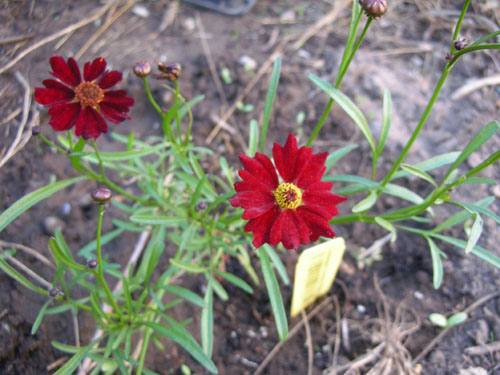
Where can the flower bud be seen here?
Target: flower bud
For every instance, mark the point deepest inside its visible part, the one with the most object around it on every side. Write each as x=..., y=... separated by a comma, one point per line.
x=201, y=206
x=35, y=130
x=374, y=8
x=53, y=292
x=92, y=263
x=101, y=195
x=142, y=69
x=460, y=44
x=169, y=72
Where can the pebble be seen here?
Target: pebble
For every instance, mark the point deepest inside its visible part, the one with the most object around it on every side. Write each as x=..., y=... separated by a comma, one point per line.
x=248, y=63
x=189, y=24
x=482, y=332
x=474, y=160
x=437, y=356
x=263, y=332
x=251, y=334
x=140, y=11
x=418, y=295
x=361, y=309
x=65, y=209
x=247, y=363
x=51, y=223
x=85, y=200
x=288, y=16
x=496, y=191
x=473, y=371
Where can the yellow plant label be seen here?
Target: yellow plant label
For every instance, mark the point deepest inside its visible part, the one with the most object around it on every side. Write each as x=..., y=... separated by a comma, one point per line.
x=314, y=273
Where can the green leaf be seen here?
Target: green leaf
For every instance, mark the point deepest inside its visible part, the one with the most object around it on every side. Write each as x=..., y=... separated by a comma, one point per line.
x=273, y=290
x=403, y=193
x=475, y=233
x=430, y=164
x=366, y=203
x=219, y=290
x=271, y=92
x=387, y=225
x=437, y=264
x=188, y=266
x=207, y=320
x=253, y=138
x=186, y=341
x=353, y=179
x=476, y=250
x=184, y=293
x=456, y=319
x=60, y=256
x=127, y=155
x=478, y=180
x=335, y=156
x=438, y=320
x=463, y=215
x=207, y=190
x=227, y=171
x=167, y=221
x=74, y=361
x=13, y=273
x=480, y=209
x=236, y=281
x=40, y=317
x=386, y=123
x=419, y=173
x=278, y=264
x=348, y=106
x=474, y=144
x=33, y=198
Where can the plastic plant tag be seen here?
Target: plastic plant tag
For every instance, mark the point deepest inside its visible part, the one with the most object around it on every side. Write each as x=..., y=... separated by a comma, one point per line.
x=314, y=273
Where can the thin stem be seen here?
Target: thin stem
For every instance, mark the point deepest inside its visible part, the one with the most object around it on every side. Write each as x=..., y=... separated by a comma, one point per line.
x=489, y=36
x=472, y=48
x=177, y=118
x=100, y=265
x=150, y=97
x=70, y=140
x=419, y=127
x=57, y=148
x=98, y=156
x=342, y=71
x=458, y=26
x=144, y=348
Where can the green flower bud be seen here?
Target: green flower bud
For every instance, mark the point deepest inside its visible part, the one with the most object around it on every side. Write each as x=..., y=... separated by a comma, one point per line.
x=374, y=8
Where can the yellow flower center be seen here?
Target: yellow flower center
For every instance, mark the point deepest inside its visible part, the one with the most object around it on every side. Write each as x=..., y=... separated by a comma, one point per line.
x=89, y=94
x=288, y=196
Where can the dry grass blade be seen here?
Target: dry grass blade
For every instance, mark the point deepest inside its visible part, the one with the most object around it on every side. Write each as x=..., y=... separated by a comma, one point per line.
x=28, y=250
x=55, y=36
x=309, y=342
x=474, y=85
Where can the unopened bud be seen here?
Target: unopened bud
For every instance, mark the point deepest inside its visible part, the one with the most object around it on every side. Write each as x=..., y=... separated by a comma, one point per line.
x=169, y=72
x=92, y=263
x=101, y=195
x=35, y=130
x=53, y=292
x=142, y=69
x=460, y=44
x=374, y=8
x=201, y=206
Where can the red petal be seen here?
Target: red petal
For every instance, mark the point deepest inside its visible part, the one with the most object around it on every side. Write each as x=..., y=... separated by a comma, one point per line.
x=255, y=203
x=303, y=158
x=119, y=100
x=285, y=158
x=64, y=116
x=316, y=223
x=51, y=96
x=109, y=79
x=69, y=72
x=290, y=232
x=90, y=124
x=261, y=226
x=324, y=199
x=275, y=235
x=91, y=71
x=301, y=226
x=312, y=171
x=261, y=168
x=250, y=183
x=112, y=114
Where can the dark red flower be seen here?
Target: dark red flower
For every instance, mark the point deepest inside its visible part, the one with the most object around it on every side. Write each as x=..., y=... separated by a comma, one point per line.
x=294, y=210
x=85, y=102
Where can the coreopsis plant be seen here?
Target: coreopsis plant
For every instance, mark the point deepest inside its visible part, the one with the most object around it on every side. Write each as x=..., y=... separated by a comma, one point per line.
x=198, y=220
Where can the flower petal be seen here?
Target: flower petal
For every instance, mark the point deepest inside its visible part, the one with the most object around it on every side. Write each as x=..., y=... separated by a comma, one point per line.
x=255, y=203
x=112, y=114
x=68, y=72
x=312, y=171
x=109, y=79
x=275, y=235
x=261, y=226
x=285, y=158
x=54, y=93
x=290, y=235
x=251, y=183
x=91, y=71
x=90, y=124
x=64, y=116
x=303, y=229
x=324, y=199
x=317, y=224
x=261, y=168
x=118, y=99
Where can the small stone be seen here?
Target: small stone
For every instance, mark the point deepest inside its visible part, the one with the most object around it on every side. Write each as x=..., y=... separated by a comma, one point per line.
x=140, y=11
x=361, y=309
x=248, y=63
x=51, y=224
x=496, y=191
x=482, y=332
x=418, y=295
x=65, y=209
x=474, y=160
x=189, y=24
x=251, y=334
x=263, y=332
x=288, y=16
x=473, y=371
x=437, y=356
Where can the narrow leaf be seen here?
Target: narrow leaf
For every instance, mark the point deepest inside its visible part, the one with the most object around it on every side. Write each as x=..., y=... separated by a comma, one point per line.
x=456, y=319
x=437, y=264
x=275, y=298
x=271, y=92
x=335, y=156
x=419, y=173
x=253, y=138
x=278, y=264
x=167, y=221
x=207, y=320
x=236, y=281
x=366, y=203
x=40, y=317
x=386, y=123
x=475, y=233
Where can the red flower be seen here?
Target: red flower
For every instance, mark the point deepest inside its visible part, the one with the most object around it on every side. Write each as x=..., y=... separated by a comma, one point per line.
x=293, y=211
x=83, y=103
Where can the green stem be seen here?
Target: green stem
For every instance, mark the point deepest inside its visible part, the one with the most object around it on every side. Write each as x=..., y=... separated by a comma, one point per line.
x=144, y=348
x=472, y=48
x=342, y=71
x=98, y=156
x=100, y=265
x=489, y=36
x=150, y=97
x=419, y=127
x=57, y=148
x=458, y=26
x=353, y=218
x=70, y=140
x=177, y=118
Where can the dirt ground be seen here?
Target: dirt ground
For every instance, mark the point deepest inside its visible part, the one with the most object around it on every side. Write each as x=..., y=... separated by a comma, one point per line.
x=376, y=314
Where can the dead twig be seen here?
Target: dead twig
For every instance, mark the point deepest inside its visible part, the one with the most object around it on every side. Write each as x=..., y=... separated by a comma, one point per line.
x=474, y=85
x=483, y=349
x=443, y=333
x=309, y=342
x=103, y=28
x=11, y=116
x=27, y=270
x=168, y=16
x=55, y=36
x=28, y=250
x=16, y=38
x=57, y=363
x=291, y=334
